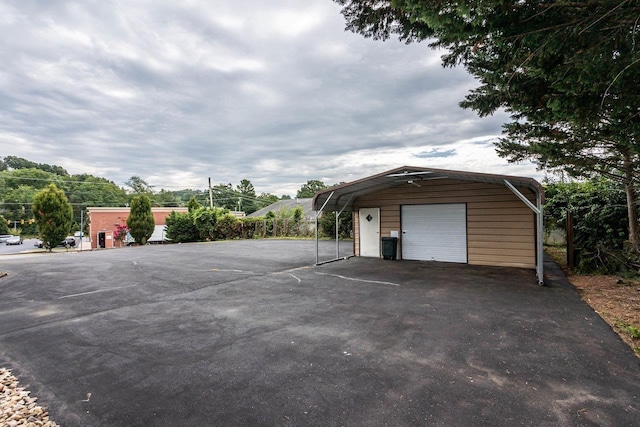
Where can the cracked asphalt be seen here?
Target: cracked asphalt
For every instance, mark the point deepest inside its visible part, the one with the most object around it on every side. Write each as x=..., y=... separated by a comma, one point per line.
x=251, y=333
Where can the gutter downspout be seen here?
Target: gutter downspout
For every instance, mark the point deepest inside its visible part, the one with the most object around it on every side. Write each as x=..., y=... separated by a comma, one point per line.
x=537, y=209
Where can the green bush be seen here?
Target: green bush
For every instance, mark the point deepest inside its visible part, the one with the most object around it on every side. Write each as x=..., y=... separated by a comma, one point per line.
x=217, y=224
x=327, y=225
x=251, y=228
x=227, y=228
x=205, y=221
x=600, y=223
x=181, y=228
x=4, y=227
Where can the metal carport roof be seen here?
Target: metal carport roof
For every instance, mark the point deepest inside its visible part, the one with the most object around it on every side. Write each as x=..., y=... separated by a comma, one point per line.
x=341, y=197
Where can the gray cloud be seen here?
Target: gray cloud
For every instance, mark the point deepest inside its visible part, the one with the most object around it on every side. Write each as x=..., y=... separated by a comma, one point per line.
x=272, y=91
x=435, y=153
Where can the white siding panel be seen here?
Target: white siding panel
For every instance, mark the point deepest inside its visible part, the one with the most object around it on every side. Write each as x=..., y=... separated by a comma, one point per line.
x=435, y=232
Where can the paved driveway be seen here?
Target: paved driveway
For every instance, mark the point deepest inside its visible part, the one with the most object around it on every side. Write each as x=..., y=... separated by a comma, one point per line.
x=247, y=333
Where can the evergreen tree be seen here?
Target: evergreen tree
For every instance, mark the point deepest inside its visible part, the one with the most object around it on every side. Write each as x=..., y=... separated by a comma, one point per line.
x=247, y=196
x=53, y=214
x=140, y=220
x=567, y=71
x=193, y=204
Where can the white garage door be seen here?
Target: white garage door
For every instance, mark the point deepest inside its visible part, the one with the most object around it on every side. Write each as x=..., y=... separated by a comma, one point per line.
x=435, y=232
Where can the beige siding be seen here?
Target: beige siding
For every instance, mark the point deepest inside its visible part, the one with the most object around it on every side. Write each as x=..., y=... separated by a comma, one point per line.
x=500, y=227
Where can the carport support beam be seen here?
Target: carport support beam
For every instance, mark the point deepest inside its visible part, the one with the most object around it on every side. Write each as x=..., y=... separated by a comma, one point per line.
x=537, y=209
x=338, y=213
x=318, y=212
x=337, y=236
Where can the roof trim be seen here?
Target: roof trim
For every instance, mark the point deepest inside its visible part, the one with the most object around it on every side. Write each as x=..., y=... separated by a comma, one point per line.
x=179, y=209
x=345, y=194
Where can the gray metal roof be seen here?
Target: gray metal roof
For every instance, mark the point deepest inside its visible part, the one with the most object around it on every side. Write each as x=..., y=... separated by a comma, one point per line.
x=305, y=204
x=342, y=196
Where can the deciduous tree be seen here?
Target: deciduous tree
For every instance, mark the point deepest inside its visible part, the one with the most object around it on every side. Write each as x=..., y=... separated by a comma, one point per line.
x=310, y=188
x=13, y=162
x=4, y=226
x=266, y=199
x=139, y=185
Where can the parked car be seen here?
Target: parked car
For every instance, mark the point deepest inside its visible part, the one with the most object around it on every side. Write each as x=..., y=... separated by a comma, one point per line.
x=69, y=242
x=14, y=240
x=4, y=237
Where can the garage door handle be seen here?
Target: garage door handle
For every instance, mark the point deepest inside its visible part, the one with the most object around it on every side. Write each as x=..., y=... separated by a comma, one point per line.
x=404, y=231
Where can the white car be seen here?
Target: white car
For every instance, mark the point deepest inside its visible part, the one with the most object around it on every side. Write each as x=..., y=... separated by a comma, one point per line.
x=13, y=240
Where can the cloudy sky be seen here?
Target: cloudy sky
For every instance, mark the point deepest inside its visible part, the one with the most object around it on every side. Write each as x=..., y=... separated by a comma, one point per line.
x=274, y=91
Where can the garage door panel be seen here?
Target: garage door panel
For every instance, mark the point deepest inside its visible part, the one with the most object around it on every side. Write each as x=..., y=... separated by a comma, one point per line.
x=434, y=232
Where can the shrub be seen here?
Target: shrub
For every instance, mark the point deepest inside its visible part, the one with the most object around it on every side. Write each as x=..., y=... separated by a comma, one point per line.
x=599, y=222
x=205, y=221
x=181, y=228
x=327, y=225
x=251, y=227
x=4, y=227
x=227, y=228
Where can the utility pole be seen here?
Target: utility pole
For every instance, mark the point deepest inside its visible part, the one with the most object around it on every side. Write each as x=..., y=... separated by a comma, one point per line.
x=210, y=195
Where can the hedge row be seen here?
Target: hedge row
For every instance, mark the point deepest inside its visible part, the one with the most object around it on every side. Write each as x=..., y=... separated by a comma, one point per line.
x=204, y=224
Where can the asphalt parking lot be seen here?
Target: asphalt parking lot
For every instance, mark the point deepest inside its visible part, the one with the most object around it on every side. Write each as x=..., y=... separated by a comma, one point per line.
x=250, y=333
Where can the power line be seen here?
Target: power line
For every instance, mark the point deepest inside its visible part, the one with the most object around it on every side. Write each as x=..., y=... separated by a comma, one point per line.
x=105, y=181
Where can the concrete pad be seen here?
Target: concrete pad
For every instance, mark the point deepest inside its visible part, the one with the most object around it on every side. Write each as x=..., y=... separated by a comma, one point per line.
x=249, y=333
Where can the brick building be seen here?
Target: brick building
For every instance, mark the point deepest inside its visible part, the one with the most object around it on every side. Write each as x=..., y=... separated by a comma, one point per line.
x=103, y=222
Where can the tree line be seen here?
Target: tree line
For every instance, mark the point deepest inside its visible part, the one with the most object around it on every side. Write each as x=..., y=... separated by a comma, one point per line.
x=22, y=179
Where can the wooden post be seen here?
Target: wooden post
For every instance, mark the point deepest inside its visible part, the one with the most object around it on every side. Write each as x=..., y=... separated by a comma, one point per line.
x=571, y=260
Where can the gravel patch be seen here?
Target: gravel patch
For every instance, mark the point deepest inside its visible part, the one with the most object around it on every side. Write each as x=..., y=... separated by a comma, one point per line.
x=17, y=408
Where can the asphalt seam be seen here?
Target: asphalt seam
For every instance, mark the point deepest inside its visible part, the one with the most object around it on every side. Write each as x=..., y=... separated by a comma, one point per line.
x=355, y=279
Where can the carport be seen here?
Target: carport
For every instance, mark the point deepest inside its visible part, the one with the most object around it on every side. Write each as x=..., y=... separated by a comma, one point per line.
x=443, y=215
